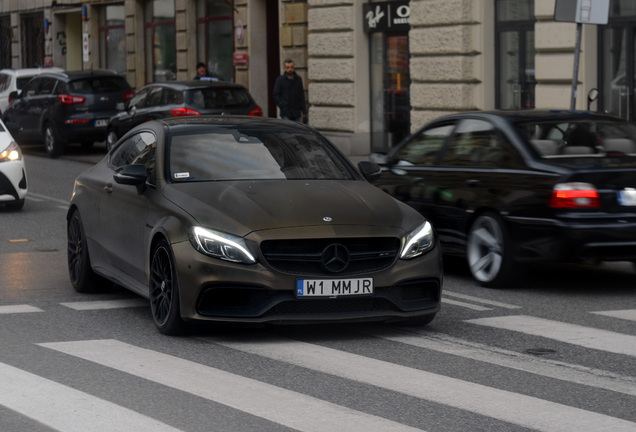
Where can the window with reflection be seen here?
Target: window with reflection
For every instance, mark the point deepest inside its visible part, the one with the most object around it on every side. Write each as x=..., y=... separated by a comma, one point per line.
x=215, y=40
x=515, y=52
x=112, y=39
x=161, y=53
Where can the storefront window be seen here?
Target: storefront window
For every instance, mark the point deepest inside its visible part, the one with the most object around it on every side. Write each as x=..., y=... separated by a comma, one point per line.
x=161, y=54
x=112, y=39
x=215, y=38
x=515, y=73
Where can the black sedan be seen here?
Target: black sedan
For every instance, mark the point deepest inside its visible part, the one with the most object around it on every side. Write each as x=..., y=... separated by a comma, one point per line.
x=246, y=219
x=179, y=99
x=506, y=189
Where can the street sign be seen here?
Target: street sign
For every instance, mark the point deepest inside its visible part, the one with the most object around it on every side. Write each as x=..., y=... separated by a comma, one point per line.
x=582, y=11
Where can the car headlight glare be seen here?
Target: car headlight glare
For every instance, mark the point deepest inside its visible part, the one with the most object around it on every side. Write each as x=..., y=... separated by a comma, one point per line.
x=221, y=245
x=11, y=153
x=417, y=241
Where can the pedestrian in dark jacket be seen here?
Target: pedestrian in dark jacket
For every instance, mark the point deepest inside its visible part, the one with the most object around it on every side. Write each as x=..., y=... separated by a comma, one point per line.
x=289, y=94
x=203, y=74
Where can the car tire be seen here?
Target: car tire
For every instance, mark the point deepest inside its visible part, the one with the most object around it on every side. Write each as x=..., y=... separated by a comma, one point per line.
x=489, y=252
x=54, y=147
x=164, y=291
x=15, y=205
x=83, y=278
x=111, y=139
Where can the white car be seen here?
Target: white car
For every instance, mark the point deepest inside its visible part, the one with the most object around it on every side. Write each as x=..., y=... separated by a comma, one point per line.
x=13, y=178
x=15, y=79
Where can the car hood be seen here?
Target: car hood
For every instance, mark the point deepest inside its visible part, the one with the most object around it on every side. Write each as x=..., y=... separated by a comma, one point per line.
x=246, y=206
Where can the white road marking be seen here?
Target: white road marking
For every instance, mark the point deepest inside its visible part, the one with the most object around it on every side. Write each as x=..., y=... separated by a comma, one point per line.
x=65, y=409
x=106, y=304
x=500, y=404
x=622, y=314
x=22, y=308
x=465, y=305
x=480, y=300
x=47, y=198
x=288, y=408
x=514, y=360
x=569, y=333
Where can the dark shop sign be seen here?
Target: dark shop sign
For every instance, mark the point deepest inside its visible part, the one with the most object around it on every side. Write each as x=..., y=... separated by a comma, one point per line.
x=386, y=17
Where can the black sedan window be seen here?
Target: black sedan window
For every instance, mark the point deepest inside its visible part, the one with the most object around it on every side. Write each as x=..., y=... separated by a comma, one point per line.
x=259, y=155
x=424, y=147
x=218, y=97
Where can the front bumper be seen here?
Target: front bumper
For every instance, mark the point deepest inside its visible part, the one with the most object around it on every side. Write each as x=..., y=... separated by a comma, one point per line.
x=215, y=290
x=13, y=181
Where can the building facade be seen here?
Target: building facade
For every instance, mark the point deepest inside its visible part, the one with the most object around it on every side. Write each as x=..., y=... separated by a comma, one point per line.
x=373, y=71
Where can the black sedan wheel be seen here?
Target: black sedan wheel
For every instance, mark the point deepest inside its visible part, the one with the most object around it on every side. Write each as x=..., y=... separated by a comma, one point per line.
x=488, y=250
x=164, y=291
x=82, y=276
x=111, y=139
x=52, y=144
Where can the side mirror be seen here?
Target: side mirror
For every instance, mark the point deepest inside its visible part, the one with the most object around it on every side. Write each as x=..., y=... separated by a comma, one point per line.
x=14, y=95
x=370, y=170
x=132, y=175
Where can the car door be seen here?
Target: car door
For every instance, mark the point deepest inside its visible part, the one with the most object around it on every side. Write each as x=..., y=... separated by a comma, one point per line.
x=25, y=110
x=123, y=210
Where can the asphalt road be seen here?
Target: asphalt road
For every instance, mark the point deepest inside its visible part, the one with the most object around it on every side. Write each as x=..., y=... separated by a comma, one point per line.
x=554, y=354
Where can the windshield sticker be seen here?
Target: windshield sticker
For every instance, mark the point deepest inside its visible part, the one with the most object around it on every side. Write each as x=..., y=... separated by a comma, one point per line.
x=181, y=175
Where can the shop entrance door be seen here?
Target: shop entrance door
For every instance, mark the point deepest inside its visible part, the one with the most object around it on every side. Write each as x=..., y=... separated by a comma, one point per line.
x=390, y=100
x=618, y=71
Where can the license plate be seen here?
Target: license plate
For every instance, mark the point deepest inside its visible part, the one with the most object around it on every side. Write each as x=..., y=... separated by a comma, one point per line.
x=101, y=122
x=334, y=287
x=627, y=197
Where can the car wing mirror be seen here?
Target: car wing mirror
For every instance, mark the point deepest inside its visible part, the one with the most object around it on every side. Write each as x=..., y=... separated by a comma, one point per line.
x=370, y=170
x=132, y=175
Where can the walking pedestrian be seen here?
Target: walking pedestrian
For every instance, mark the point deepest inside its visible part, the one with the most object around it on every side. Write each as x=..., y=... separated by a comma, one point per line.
x=203, y=74
x=289, y=94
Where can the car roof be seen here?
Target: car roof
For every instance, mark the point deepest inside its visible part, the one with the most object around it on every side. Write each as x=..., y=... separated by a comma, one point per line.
x=519, y=116
x=31, y=71
x=192, y=84
x=231, y=120
x=71, y=75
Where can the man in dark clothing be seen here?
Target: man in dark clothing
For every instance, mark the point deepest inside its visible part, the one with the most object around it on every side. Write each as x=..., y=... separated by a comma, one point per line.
x=203, y=74
x=289, y=94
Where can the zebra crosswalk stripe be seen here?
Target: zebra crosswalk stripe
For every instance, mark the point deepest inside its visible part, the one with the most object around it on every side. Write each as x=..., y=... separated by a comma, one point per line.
x=564, y=332
x=66, y=409
x=285, y=407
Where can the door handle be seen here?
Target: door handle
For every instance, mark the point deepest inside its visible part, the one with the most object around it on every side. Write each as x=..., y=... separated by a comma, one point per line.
x=108, y=188
x=473, y=182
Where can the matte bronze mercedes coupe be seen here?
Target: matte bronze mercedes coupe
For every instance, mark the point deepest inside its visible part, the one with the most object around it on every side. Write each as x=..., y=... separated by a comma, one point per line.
x=247, y=219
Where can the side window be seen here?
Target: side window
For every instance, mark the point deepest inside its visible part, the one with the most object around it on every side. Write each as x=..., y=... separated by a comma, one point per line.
x=172, y=97
x=424, y=148
x=47, y=87
x=139, y=98
x=477, y=143
x=4, y=82
x=138, y=149
x=31, y=88
x=156, y=97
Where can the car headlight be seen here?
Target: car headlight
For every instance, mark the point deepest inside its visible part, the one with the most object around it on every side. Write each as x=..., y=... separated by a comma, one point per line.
x=11, y=153
x=417, y=241
x=221, y=245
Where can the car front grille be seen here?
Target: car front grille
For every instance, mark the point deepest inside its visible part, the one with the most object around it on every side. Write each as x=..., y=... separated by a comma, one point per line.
x=341, y=256
x=261, y=304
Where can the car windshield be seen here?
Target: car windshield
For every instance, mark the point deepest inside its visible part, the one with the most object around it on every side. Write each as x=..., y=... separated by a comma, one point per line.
x=218, y=97
x=576, y=138
x=98, y=84
x=254, y=154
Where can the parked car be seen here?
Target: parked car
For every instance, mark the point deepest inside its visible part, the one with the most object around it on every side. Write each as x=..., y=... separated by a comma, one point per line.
x=66, y=107
x=181, y=98
x=15, y=79
x=13, y=178
x=248, y=219
x=514, y=187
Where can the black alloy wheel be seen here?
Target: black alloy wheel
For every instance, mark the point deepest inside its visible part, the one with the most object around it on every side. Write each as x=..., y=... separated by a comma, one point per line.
x=83, y=278
x=489, y=252
x=54, y=147
x=164, y=291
